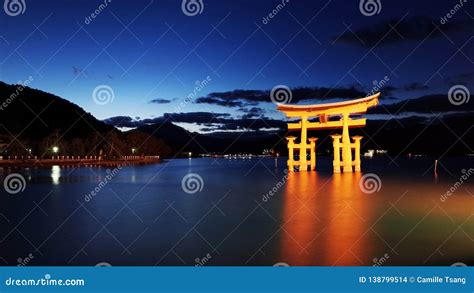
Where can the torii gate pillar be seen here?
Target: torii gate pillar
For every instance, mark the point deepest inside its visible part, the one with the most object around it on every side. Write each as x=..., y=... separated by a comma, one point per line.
x=346, y=145
x=291, y=146
x=357, y=152
x=303, y=145
x=312, y=145
x=336, y=163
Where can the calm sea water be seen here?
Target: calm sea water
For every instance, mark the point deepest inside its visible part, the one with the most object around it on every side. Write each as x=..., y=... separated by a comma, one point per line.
x=142, y=215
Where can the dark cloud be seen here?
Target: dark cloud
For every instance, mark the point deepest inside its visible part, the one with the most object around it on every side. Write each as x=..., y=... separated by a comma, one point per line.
x=414, y=28
x=320, y=93
x=241, y=98
x=160, y=101
x=387, y=91
x=253, y=112
x=415, y=86
x=223, y=121
x=209, y=121
x=463, y=78
x=423, y=105
x=190, y=117
x=123, y=121
x=246, y=95
x=219, y=102
x=195, y=117
x=245, y=124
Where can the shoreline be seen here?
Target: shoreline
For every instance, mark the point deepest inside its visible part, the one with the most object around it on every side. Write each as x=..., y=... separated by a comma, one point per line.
x=81, y=162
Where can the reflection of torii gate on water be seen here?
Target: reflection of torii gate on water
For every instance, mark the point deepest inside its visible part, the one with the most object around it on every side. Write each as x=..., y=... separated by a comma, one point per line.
x=323, y=112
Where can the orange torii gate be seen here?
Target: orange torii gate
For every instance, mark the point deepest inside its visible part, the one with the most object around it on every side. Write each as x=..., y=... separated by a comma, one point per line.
x=323, y=112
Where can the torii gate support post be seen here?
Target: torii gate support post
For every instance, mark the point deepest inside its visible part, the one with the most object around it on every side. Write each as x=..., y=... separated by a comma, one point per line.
x=291, y=159
x=336, y=163
x=357, y=140
x=312, y=144
x=346, y=145
x=303, y=145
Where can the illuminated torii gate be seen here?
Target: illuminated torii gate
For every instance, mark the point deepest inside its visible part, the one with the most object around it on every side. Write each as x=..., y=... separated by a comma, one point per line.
x=323, y=112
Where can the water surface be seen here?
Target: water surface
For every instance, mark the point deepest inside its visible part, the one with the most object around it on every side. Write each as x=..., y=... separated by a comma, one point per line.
x=142, y=215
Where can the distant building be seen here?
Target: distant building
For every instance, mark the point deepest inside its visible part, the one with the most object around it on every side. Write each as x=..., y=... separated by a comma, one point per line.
x=369, y=153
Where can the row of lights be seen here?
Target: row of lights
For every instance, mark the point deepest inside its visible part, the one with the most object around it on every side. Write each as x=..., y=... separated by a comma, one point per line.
x=55, y=150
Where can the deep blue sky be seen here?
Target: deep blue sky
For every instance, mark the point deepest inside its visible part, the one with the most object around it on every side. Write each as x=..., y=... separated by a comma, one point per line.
x=154, y=57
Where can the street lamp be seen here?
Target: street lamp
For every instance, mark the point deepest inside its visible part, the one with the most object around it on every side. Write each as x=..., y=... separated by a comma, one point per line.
x=134, y=150
x=55, y=149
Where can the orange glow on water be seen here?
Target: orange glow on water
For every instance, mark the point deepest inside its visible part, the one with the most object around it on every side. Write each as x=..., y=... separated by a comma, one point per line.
x=345, y=242
x=300, y=224
x=329, y=220
x=326, y=215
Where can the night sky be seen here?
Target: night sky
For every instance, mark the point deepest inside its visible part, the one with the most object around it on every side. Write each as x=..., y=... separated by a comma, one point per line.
x=152, y=55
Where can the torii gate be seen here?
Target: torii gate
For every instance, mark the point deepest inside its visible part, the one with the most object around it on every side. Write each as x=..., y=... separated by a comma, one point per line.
x=323, y=112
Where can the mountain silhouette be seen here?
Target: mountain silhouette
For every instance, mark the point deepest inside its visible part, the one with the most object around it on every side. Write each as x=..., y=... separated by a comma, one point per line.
x=32, y=122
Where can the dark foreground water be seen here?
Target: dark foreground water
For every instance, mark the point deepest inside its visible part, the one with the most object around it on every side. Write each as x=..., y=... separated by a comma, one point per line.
x=142, y=215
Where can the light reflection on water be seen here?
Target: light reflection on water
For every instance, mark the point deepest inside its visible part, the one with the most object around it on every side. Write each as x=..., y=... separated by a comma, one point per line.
x=315, y=218
x=55, y=174
x=324, y=214
x=330, y=221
